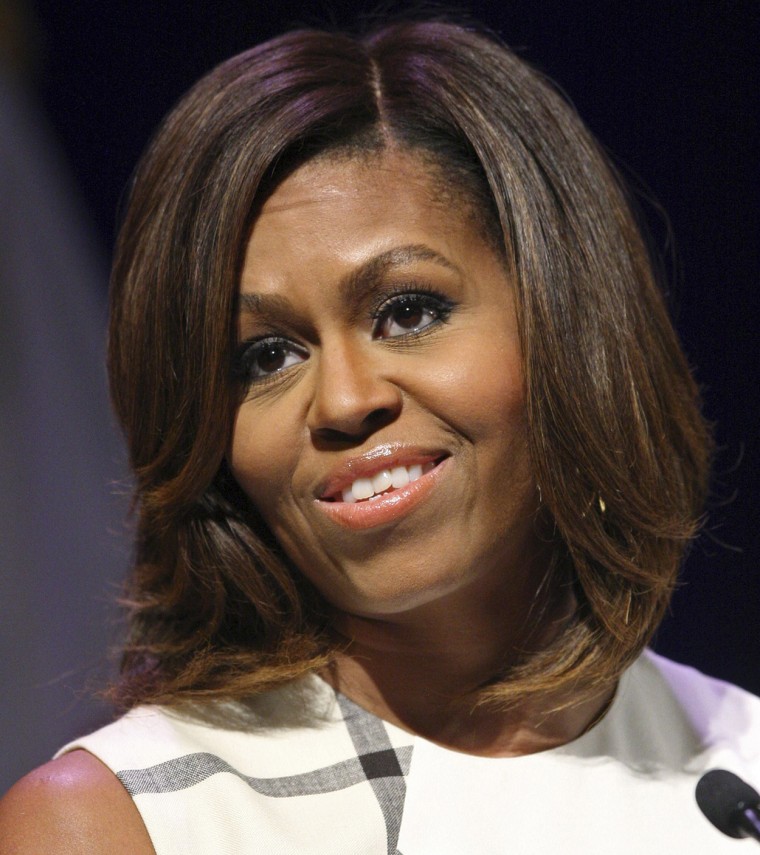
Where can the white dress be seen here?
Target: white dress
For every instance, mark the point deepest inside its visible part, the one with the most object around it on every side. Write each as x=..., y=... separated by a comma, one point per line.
x=305, y=771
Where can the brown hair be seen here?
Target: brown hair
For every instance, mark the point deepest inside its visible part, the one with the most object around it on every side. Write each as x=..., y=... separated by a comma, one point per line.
x=618, y=445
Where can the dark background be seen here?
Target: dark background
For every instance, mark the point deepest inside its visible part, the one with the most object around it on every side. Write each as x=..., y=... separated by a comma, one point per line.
x=670, y=88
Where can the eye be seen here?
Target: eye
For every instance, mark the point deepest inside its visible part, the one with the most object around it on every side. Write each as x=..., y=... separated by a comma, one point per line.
x=265, y=357
x=409, y=313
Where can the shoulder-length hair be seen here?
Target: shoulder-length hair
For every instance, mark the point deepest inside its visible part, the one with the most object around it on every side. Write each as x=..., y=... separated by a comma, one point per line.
x=619, y=449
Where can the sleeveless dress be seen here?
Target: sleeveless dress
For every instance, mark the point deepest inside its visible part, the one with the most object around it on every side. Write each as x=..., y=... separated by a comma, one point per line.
x=305, y=771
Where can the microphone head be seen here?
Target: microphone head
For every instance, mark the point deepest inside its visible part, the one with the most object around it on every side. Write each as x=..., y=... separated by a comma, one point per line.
x=722, y=796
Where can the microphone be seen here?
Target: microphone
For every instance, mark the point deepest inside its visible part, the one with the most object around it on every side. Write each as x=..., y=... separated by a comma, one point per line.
x=730, y=804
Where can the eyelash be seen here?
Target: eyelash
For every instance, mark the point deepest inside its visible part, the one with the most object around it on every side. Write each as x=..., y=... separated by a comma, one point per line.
x=249, y=351
x=422, y=299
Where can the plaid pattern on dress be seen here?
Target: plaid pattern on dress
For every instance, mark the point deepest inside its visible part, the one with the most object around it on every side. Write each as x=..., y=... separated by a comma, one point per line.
x=368, y=761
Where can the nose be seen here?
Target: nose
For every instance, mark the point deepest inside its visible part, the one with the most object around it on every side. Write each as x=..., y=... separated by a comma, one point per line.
x=352, y=395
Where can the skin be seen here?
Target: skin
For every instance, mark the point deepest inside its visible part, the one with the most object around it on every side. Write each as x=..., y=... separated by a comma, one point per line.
x=439, y=599
x=71, y=806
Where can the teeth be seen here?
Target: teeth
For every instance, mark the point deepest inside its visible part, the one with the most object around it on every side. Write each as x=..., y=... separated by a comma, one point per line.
x=381, y=481
x=362, y=488
x=397, y=477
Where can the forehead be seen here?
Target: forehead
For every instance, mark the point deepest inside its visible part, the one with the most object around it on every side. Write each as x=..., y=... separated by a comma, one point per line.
x=349, y=208
x=370, y=179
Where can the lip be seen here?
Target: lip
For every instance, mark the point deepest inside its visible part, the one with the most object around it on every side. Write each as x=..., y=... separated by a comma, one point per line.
x=369, y=464
x=387, y=507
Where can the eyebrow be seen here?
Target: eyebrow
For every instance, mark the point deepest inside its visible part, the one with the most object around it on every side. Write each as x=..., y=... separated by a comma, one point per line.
x=354, y=285
x=367, y=276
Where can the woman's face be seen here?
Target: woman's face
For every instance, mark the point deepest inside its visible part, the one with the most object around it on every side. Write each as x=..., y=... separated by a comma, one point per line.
x=380, y=349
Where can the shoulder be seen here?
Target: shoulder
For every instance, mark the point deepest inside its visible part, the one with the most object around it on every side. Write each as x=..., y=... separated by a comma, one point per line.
x=689, y=684
x=723, y=715
x=72, y=805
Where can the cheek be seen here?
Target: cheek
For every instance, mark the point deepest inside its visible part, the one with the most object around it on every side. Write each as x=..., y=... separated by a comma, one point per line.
x=482, y=391
x=484, y=396
x=260, y=458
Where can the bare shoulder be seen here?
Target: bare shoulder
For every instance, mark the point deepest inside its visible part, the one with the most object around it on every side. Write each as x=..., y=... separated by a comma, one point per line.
x=70, y=806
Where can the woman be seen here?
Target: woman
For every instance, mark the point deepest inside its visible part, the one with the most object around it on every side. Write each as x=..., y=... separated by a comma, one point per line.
x=417, y=458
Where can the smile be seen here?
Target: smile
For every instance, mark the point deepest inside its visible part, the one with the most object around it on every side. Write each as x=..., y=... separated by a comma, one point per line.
x=368, y=489
x=383, y=496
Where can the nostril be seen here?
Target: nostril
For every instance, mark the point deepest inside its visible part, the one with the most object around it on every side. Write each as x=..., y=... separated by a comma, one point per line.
x=350, y=435
x=380, y=417
x=371, y=423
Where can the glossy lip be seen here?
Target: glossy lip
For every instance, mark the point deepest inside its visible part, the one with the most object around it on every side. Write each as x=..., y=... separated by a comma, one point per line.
x=369, y=464
x=387, y=507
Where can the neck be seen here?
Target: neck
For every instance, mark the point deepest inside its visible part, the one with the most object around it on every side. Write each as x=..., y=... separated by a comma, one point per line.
x=416, y=670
